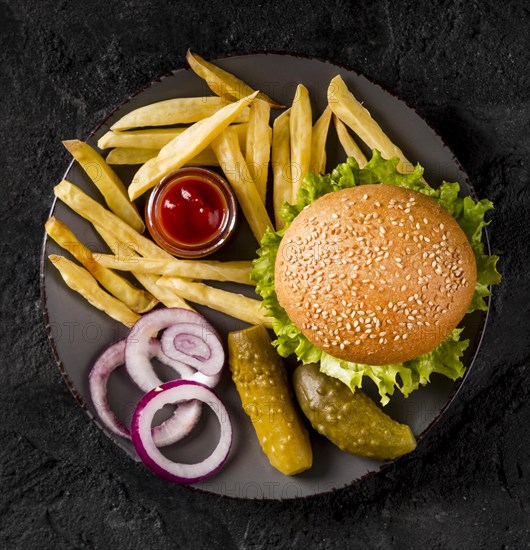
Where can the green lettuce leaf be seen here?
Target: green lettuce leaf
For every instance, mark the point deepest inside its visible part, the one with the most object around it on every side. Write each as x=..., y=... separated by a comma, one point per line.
x=445, y=359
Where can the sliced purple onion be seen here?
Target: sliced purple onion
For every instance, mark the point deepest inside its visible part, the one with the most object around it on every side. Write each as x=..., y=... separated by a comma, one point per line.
x=197, y=345
x=172, y=393
x=174, y=428
x=186, y=416
x=189, y=347
x=109, y=360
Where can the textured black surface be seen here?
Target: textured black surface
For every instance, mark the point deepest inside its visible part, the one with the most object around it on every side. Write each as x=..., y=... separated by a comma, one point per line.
x=464, y=67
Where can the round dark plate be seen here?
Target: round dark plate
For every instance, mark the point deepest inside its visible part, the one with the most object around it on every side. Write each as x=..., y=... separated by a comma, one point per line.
x=79, y=333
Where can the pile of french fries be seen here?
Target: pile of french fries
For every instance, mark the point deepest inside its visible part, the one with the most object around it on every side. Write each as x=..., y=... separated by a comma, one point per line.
x=231, y=130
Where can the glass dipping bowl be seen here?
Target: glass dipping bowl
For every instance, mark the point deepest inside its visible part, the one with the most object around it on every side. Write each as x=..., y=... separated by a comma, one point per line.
x=199, y=221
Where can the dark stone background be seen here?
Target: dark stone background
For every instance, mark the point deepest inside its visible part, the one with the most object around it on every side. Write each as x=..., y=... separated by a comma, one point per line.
x=465, y=67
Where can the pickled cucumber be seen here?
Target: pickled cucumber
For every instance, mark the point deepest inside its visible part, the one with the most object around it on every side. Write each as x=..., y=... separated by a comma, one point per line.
x=261, y=380
x=352, y=421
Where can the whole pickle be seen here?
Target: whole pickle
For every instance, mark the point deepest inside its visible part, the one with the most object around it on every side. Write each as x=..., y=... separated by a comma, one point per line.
x=352, y=421
x=261, y=380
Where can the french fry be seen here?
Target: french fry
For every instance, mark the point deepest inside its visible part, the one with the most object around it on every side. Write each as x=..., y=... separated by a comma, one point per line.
x=237, y=271
x=222, y=82
x=301, y=126
x=231, y=160
x=353, y=114
x=163, y=295
x=348, y=144
x=139, y=139
x=107, y=181
x=258, y=145
x=153, y=139
x=181, y=110
x=281, y=165
x=185, y=146
x=135, y=299
x=319, y=135
x=80, y=280
x=124, y=155
x=236, y=305
x=96, y=214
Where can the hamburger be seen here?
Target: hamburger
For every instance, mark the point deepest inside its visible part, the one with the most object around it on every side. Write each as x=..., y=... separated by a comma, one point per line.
x=373, y=273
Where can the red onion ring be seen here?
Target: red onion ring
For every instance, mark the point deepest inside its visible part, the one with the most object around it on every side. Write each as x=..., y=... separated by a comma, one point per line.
x=170, y=431
x=197, y=345
x=136, y=350
x=108, y=361
x=171, y=393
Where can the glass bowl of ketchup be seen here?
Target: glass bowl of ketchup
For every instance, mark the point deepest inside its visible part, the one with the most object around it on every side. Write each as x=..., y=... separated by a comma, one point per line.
x=191, y=213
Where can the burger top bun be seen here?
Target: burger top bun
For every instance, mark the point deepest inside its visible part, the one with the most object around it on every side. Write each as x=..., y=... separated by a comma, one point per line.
x=375, y=274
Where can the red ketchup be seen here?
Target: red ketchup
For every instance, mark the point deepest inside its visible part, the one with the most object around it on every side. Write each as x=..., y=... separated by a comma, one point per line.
x=191, y=212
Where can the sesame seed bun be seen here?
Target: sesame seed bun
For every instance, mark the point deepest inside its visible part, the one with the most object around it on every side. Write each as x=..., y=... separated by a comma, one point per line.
x=375, y=274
